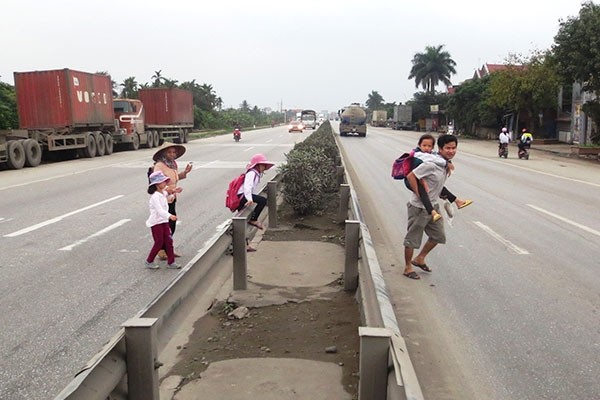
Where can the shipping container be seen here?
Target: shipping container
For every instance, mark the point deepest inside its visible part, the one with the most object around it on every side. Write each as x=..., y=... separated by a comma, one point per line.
x=167, y=106
x=65, y=98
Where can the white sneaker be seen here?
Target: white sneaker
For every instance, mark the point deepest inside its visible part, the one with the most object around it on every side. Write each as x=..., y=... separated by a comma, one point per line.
x=174, y=266
x=150, y=265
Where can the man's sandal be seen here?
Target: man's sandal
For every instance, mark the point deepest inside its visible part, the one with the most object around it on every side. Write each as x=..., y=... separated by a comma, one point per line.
x=411, y=275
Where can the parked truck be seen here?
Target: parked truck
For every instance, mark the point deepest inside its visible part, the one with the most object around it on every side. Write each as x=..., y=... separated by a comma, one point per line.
x=402, y=118
x=309, y=119
x=379, y=118
x=159, y=114
x=353, y=120
x=66, y=111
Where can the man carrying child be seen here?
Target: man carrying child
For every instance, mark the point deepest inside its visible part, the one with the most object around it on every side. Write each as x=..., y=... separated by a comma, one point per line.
x=420, y=220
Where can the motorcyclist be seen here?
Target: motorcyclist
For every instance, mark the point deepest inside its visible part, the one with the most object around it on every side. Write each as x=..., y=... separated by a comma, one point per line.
x=503, y=141
x=237, y=133
x=525, y=141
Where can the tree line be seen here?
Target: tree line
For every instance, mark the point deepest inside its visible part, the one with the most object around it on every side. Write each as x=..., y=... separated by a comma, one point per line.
x=208, y=106
x=527, y=85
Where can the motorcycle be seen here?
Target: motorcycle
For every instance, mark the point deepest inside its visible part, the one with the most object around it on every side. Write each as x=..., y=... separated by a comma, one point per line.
x=523, y=151
x=503, y=150
x=237, y=134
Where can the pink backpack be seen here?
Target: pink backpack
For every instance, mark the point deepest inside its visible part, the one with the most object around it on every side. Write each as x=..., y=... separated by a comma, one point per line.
x=403, y=165
x=232, y=200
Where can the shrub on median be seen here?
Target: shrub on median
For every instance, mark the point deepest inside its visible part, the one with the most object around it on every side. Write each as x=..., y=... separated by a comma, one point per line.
x=309, y=174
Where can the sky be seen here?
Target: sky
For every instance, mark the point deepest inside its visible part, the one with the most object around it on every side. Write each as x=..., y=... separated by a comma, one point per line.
x=280, y=54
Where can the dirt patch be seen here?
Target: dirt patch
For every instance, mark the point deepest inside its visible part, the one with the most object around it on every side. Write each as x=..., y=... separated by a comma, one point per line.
x=321, y=330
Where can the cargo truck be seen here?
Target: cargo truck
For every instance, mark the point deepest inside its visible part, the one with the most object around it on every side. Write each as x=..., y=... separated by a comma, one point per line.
x=66, y=111
x=59, y=110
x=159, y=114
x=402, y=118
x=379, y=118
x=309, y=119
x=353, y=120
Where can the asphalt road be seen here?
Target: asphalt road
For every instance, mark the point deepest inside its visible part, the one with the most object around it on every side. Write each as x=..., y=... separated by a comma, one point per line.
x=73, y=240
x=512, y=308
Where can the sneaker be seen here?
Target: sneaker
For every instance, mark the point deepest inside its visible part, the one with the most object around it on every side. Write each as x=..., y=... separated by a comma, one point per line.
x=150, y=265
x=174, y=266
x=435, y=216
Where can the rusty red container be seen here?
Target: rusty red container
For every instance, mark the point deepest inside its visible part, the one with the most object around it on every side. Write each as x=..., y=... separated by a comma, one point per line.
x=63, y=99
x=167, y=106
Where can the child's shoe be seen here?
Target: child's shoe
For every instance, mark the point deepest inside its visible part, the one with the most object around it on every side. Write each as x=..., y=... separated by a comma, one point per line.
x=150, y=265
x=435, y=216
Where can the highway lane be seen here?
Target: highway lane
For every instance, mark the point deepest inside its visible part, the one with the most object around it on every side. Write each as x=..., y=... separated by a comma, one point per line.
x=511, y=310
x=73, y=240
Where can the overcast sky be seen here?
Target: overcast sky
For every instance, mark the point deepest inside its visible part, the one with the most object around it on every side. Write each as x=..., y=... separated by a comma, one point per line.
x=295, y=54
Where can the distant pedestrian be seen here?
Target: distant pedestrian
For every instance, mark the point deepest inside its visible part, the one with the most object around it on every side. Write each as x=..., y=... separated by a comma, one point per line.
x=165, y=162
x=419, y=221
x=254, y=171
x=159, y=218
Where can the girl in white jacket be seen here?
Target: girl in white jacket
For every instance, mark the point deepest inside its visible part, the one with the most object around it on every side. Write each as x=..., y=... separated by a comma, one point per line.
x=158, y=221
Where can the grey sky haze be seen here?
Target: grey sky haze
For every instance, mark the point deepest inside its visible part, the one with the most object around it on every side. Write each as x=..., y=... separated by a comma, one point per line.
x=310, y=54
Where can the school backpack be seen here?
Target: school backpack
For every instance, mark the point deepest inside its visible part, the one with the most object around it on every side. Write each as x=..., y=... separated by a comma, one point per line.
x=403, y=165
x=232, y=200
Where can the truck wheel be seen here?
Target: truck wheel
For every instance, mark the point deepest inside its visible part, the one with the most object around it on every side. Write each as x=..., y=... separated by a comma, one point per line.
x=156, y=139
x=90, y=150
x=16, y=154
x=100, y=145
x=33, y=152
x=108, y=143
x=135, y=143
x=150, y=139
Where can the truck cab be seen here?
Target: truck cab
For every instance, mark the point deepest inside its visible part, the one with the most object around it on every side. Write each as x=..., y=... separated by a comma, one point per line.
x=130, y=115
x=309, y=119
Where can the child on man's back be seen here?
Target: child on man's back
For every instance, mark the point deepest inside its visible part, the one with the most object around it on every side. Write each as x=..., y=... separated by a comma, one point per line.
x=424, y=153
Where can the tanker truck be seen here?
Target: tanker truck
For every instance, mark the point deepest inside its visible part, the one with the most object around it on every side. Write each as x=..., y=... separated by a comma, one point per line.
x=160, y=114
x=59, y=110
x=353, y=120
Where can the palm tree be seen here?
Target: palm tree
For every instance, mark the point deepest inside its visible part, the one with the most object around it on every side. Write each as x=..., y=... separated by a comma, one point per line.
x=245, y=107
x=157, y=78
x=130, y=88
x=432, y=67
x=375, y=101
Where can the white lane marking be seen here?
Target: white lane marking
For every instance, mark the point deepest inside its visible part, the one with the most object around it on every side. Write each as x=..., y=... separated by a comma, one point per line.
x=563, y=219
x=59, y=218
x=99, y=233
x=249, y=148
x=534, y=170
x=269, y=141
x=499, y=238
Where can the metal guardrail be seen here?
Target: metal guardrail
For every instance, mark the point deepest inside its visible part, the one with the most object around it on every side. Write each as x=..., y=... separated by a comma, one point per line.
x=105, y=375
x=381, y=341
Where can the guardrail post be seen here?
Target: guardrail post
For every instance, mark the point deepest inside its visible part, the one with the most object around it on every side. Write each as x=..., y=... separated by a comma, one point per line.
x=272, y=203
x=373, y=363
x=142, y=365
x=240, y=266
x=340, y=174
x=351, y=264
x=344, y=201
